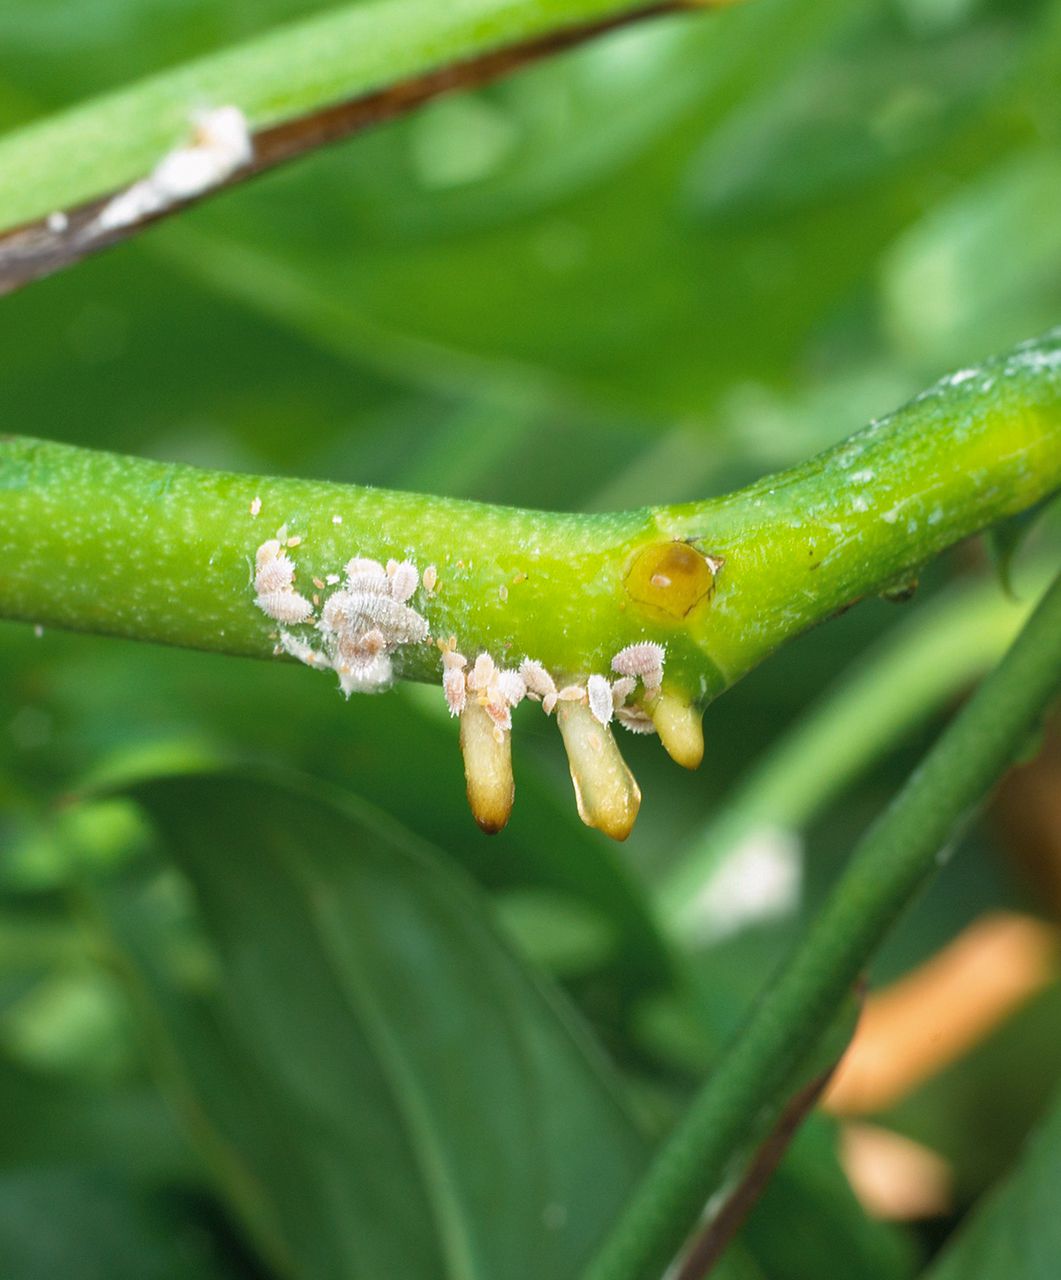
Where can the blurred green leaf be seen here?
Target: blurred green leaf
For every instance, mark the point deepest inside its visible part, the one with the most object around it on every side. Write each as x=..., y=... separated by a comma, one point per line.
x=1005, y=539
x=393, y=1094
x=84, y=1223
x=1016, y=1233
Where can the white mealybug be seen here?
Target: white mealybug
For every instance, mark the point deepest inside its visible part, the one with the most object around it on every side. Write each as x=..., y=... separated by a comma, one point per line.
x=539, y=683
x=430, y=578
x=622, y=689
x=505, y=691
x=277, y=574
x=511, y=687
x=274, y=592
x=404, y=580
x=644, y=660
x=367, y=575
x=454, y=688
x=365, y=675
x=599, y=693
x=267, y=551
x=285, y=606
x=221, y=144
x=361, y=625
x=634, y=719
x=256, y=506
x=453, y=684
x=482, y=674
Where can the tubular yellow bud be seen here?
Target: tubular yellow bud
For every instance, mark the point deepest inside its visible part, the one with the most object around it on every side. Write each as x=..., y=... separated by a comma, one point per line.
x=606, y=792
x=680, y=728
x=487, y=754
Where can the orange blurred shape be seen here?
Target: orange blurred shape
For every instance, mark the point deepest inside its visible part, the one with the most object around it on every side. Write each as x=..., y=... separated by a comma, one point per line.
x=894, y=1177
x=913, y=1029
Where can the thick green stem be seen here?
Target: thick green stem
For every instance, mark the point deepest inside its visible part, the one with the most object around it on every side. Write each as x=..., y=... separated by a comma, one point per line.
x=893, y=861
x=98, y=542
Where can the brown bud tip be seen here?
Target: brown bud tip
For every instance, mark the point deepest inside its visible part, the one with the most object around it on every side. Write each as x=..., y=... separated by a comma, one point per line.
x=680, y=729
x=607, y=794
x=487, y=754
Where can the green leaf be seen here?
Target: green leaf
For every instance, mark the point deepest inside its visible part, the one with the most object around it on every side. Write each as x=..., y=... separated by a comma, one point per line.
x=1004, y=541
x=83, y=1223
x=1016, y=1233
x=383, y=1088
x=809, y=1223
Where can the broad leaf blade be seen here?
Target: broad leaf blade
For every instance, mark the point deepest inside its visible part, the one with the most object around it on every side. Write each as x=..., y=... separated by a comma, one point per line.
x=388, y=1091
x=1016, y=1233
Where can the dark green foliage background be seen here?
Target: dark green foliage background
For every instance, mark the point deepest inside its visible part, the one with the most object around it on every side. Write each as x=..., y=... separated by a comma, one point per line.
x=650, y=270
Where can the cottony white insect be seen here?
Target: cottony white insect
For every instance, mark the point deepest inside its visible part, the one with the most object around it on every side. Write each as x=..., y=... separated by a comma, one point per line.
x=275, y=594
x=266, y=552
x=635, y=720
x=367, y=575
x=599, y=693
x=505, y=691
x=482, y=673
x=361, y=624
x=511, y=687
x=285, y=606
x=365, y=675
x=496, y=689
x=453, y=685
x=622, y=689
x=643, y=659
x=277, y=574
x=404, y=580
x=539, y=683
x=454, y=688
x=220, y=145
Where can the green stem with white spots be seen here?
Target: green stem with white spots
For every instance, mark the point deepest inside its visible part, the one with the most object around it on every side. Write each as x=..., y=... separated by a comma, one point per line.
x=98, y=542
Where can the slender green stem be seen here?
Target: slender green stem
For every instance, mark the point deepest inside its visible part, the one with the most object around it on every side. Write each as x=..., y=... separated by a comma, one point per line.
x=98, y=542
x=892, y=862
x=903, y=682
x=329, y=57
x=292, y=89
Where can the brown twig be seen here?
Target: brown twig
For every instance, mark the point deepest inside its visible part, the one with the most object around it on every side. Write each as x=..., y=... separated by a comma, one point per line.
x=37, y=249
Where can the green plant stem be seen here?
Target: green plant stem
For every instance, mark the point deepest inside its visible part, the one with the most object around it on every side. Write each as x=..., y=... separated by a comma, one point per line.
x=903, y=682
x=298, y=87
x=99, y=542
x=329, y=57
x=892, y=862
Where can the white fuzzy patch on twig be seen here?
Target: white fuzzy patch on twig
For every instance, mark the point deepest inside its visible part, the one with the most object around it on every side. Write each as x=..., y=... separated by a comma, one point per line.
x=221, y=143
